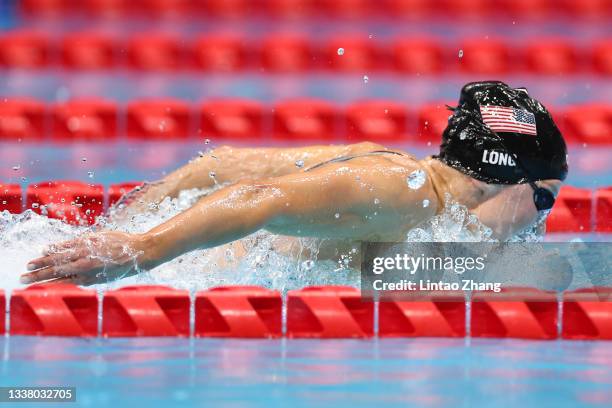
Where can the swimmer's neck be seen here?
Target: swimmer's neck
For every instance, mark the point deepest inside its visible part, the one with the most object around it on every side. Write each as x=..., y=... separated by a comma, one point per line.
x=461, y=187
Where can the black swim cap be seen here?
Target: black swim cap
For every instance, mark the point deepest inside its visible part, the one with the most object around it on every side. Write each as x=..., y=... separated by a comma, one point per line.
x=501, y=135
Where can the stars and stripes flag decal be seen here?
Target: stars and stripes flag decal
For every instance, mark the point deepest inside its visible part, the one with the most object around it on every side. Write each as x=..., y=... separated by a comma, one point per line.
x=504, y=119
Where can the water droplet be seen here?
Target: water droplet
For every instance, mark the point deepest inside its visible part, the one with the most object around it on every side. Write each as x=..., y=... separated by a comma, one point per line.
x=340, y=51
x=83, y=159
x=90, y=174
x=201, y=153
x=299, y=164
x=212, y=174
x=460, y=53
x=463, y=134
x=376, y=201
x=24, y=179
x=17, y=167
x=371, y=36
x=425, y=203
x=35, y=205
x=365, y=79
x=416, y=179
x=207, y=141
x=307, y=265
x=337, y=215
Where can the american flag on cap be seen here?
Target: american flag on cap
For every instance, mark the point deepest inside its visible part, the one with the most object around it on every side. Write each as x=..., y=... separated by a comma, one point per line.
x=504, y=119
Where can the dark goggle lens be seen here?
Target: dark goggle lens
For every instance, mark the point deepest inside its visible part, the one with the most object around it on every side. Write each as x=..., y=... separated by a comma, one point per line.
x=544, y=199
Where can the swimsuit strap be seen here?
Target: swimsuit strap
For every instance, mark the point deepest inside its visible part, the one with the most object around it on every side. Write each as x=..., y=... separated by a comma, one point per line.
x=354, y=156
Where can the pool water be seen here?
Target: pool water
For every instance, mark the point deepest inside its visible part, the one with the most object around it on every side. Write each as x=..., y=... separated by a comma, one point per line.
x=306, y=373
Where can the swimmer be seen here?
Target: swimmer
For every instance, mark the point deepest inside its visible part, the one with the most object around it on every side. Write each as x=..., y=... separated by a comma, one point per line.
x=501, y=156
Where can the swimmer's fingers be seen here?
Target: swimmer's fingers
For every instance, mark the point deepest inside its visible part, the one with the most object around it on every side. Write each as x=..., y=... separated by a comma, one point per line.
x=56, y=258
x=63, y=246
x=80, y=266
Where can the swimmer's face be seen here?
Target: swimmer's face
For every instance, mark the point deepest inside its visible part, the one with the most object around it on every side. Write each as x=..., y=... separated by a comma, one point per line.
x=526, y=212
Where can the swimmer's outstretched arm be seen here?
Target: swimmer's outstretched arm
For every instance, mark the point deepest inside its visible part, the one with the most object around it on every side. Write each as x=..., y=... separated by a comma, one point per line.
x=339, y=200
x=227, y=164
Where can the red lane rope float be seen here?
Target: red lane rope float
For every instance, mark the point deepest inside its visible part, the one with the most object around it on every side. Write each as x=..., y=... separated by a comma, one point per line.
x=11, y=198
x=71, y=201
x=377, y=121
x=587, y=314
x=2, y=311
x=427, y=315
x=603, y=210
x=329, y=312
x=137, y=311
x=238, y=311
x=527, y=313
x=572, y=211
x=54, y=310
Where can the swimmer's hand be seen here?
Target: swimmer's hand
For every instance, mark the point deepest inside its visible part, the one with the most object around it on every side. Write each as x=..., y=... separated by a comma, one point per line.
x=90, y=259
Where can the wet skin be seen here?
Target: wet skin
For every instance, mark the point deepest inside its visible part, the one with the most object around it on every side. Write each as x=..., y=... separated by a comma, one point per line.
x=363, y=199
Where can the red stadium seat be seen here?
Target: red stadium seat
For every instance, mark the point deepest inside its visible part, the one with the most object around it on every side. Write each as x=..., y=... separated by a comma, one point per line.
x=602, y=57
x=304, y=119
x=220, y=53
x=11, y=198
x=603, y=210
x=571, y=212
x=22, y=49
x=22, y=119
x=71, y=201
x=117, y=191
x=231, y=118
x=88, y=51
x=590, y=124
x=432, y=120
x=359, y=54
x=163, y=8
x=418, y=56
x=158, y=119
x=87, y=119
x=481, y=56
x=551, y=57
x=465, y=8
x=378, y=121
x=155, y=52
x=286, y=53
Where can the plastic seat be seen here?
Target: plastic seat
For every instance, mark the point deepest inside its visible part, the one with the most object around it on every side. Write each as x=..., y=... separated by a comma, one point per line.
x=23, y=49
x=571, y=212
x=484, y=57
x=348, y=8
x=432, y=121
x=590, y=124
x=418, y=56
x=602, y=57
x=359, y=54
x=225, y=53
x=88, y=51
x=524, y=9
x=11, y=198
x=286, y=53
x=71, y=201
x=603, y=210
x=591, y=9
x=86, y=119
x=163, y=8
x=304, y=119
x=465, y=8
x=551, y=57
x=22, y=119
x=231, y=118
x=382, y=121
x=155, y=52
x=158, y=119
x=117, y=191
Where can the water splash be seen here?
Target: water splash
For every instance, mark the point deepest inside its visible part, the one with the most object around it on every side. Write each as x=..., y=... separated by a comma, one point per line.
x=416, y=179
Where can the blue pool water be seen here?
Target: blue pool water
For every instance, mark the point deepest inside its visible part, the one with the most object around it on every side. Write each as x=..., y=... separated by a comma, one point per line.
x=306, y=373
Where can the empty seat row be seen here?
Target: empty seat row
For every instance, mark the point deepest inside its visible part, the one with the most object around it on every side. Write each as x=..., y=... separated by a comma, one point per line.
x=293, y=120
x=311, y=312
x=80, y=203
x=299, y=54
x=331, y=8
